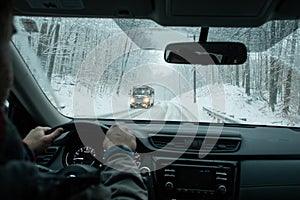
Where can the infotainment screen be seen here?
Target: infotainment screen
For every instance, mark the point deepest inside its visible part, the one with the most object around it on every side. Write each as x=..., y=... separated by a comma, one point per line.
x=195, y=178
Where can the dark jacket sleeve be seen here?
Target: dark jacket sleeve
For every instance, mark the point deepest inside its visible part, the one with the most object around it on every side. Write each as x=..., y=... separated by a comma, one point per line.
x=121, y=175
x=12, y=146
x=18, y=180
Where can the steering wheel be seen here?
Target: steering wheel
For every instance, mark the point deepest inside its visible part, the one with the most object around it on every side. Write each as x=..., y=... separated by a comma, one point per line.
x=78, y=124
x=90, y=133
x=78, y=175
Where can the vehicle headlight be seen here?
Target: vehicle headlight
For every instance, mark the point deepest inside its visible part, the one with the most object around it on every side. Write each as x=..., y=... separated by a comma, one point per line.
x=146, y=100
x=132, y=100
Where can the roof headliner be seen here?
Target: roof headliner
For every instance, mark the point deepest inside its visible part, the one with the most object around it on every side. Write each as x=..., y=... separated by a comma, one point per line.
x=212, y=13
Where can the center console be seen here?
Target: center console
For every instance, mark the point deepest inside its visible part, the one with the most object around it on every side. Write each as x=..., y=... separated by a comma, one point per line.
x=190, y=179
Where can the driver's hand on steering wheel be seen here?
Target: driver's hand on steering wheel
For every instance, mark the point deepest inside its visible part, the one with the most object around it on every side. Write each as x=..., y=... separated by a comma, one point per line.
x=119, y=135
x=38, y=140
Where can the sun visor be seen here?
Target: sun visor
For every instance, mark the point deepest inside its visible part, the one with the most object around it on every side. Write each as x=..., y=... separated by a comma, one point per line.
x=217, y=8
x=85, y=8
x=218, y=12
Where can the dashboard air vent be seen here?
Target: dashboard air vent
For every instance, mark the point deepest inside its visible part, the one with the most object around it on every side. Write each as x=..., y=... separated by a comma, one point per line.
x=194, y=144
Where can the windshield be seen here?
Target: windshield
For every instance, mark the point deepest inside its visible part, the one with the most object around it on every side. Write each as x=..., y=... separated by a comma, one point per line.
x=141, y=91
x=89, y=67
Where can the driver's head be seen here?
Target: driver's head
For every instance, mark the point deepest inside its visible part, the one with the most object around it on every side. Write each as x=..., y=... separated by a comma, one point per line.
x=6, y=31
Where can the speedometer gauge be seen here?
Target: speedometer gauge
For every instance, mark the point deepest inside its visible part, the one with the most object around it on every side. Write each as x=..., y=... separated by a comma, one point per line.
x=84, y=155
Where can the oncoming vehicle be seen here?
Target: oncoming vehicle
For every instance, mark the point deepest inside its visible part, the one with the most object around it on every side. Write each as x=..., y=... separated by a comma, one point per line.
x=142, y=96
x=226, y=120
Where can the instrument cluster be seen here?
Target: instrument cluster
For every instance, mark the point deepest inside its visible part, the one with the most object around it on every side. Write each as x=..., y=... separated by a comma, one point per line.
x=88, y=156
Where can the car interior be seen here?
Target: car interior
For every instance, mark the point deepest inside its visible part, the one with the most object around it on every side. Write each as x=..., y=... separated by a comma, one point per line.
x=179, y=157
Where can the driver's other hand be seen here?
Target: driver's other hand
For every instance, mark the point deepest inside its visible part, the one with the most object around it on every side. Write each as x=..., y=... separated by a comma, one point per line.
x=119, y=135
x=38, y=141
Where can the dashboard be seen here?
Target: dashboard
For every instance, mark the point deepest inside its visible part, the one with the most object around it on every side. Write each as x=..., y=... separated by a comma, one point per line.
x=194, y=161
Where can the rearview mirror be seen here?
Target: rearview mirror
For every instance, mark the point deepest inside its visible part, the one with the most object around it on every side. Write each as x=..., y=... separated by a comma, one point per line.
x=206, y=53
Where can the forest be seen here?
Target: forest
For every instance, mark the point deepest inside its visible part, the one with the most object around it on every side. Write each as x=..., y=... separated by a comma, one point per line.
x=70, y=51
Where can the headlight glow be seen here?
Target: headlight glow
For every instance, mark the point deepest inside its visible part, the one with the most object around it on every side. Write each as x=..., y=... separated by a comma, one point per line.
x=132, y=100
x=146, y=100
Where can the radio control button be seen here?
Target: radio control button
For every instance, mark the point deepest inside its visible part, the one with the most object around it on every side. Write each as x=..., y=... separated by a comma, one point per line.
x=222, y=189
x=221, y=173
x=169, y=185
x=221, y=179
x=145, y=171
x=170, y=170
x=169, y=175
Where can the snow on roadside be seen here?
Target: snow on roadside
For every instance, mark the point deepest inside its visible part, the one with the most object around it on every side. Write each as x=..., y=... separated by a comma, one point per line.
x=236, y=103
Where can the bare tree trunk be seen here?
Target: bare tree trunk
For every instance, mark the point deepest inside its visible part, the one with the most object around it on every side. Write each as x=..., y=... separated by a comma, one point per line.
x=287, y=94
x=29, y=39
x=237, y=76
x=280, y=64
x=43, y=44
x=273, y=84
x=273, y=71
x=247, y=79
x=267, y=75
x=124, y=64
x=288, y=84
x=72, y=61
x=298, y=104
x=260, y=86
x=244, y=78
x=53, y=52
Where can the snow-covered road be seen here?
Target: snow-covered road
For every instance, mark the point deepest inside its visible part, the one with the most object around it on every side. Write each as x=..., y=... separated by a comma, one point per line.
x=165, y=111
